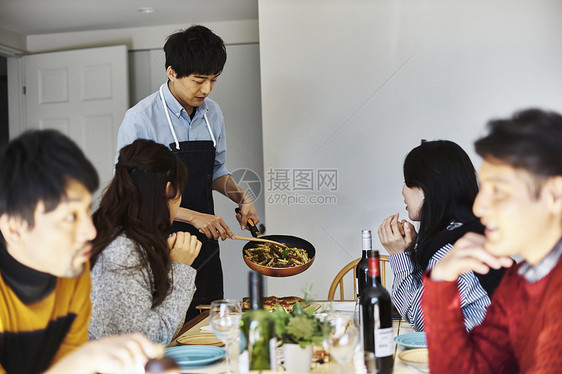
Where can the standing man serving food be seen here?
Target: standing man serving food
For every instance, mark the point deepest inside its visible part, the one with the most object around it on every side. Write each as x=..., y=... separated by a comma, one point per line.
x=181, y=116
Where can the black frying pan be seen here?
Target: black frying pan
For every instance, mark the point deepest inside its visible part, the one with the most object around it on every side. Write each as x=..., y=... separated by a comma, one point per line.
x=288, y=240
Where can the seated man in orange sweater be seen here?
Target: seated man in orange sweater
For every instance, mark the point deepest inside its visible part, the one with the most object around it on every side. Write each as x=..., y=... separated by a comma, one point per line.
x=520, y=204
x=46, y=186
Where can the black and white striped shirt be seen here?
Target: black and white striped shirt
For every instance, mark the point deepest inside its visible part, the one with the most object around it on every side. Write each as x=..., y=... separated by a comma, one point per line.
x=407, y=290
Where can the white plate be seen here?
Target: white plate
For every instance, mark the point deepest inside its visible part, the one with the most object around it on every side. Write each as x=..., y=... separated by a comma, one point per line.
x=417, y=358
x=348, y=306
x=194, y=355
x=412, y=340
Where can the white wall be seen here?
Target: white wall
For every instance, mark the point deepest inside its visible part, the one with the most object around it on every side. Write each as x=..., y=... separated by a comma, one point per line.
x=11, y=43
x=231, y=32
x=354, y=85
x=234, y=32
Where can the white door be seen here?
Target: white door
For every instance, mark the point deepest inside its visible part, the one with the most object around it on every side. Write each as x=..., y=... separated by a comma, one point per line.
x=82, y=93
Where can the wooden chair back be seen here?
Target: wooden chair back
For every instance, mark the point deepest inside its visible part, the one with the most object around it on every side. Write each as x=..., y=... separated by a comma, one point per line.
x=339, y=278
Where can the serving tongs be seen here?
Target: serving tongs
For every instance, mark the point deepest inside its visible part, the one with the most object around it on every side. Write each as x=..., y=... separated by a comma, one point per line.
x=260, y=240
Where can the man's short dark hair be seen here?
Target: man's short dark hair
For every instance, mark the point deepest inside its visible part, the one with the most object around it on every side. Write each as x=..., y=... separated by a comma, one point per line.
x=531, y=140
x=196, y=50
x=36, y=166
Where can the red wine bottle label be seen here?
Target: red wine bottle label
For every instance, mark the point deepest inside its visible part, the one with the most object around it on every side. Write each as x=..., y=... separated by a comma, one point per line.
x=384, y=345
x=374, y=267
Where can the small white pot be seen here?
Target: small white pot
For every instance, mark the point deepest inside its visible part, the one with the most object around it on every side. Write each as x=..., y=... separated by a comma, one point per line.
x=297, y=359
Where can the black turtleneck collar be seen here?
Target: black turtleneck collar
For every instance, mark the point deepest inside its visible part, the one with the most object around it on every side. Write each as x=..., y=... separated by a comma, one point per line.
x=28, y=284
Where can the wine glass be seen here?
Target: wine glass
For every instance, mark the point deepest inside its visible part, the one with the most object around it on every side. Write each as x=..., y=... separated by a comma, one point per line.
x=342, y=336
x=224, y=319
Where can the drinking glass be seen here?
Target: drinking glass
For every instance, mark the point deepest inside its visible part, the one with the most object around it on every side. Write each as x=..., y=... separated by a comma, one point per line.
x=341, y=338
x=224, y=319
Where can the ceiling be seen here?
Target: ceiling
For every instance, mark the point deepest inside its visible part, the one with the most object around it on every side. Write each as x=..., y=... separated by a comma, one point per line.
x=31, y=17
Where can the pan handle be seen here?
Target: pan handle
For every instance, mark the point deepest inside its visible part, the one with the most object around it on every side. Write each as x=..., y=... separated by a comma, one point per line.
x=251, y=225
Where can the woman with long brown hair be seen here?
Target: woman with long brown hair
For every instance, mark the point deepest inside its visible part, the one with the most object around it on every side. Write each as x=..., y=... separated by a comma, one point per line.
x=142, y=280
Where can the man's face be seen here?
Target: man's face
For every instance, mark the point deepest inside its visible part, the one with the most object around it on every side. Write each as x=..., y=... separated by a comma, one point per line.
x=59, y=241
x=190, y=91
x=516, y=220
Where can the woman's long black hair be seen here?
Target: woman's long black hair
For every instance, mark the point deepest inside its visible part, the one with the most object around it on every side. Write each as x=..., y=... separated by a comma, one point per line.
x=136, y=203
x=444, y=172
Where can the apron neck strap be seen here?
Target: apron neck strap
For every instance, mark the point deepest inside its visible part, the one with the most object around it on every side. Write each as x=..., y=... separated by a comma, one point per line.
x=210, y=131
x=172, y=127
x=168, y=117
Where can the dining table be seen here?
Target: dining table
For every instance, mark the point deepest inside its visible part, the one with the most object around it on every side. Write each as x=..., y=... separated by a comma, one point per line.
x=197, y=332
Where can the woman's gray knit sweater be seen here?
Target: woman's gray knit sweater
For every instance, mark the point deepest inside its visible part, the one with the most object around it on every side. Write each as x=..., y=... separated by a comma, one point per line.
x=122, y=297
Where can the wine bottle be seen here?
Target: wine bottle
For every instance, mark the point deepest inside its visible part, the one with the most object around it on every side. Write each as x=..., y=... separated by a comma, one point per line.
x=362, y=269
x=257, y=327
x=376, y=321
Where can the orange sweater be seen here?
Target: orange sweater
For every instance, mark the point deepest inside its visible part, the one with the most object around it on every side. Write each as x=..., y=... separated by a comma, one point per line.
x=34, y=336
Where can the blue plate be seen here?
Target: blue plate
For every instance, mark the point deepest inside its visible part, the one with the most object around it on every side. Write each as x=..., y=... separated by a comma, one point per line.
x=412, y=340
x=194, y=355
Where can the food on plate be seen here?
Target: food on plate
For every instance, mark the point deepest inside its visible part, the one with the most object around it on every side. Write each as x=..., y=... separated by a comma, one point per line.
x=271, y=302
x=319, y=355
x=271, y=255
x=401, y=227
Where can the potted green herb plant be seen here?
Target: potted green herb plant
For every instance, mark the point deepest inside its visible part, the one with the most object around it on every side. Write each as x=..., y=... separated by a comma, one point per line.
x=298, y=331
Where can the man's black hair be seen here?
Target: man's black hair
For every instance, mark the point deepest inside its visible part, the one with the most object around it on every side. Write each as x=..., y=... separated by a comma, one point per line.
x=531, y=140
x=196, y=50
x=36, y=166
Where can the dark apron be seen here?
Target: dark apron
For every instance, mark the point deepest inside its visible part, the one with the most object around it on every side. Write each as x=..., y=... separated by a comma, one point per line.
x=199, y=158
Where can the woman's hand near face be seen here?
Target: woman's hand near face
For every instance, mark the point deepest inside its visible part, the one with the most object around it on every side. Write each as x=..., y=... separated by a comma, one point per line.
x=184, y=247
x=394, y=238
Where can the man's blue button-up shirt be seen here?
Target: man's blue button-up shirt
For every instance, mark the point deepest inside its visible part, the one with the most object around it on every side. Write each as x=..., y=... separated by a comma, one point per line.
x=147, y=120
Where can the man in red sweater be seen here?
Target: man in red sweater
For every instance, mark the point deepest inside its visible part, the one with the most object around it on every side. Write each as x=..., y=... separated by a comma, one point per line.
x=520, y=203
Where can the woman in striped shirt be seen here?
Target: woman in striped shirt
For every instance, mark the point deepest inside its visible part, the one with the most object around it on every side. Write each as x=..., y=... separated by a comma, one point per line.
x=439, y=190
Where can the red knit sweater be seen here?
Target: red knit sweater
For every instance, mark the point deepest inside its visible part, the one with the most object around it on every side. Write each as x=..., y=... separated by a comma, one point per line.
x=522, y=331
